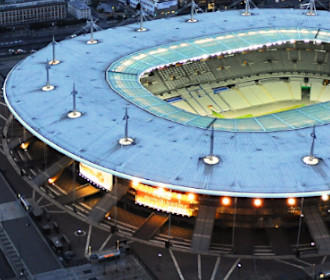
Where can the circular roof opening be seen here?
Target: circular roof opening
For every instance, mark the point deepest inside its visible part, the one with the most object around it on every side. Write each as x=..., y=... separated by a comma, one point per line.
x=249, y=81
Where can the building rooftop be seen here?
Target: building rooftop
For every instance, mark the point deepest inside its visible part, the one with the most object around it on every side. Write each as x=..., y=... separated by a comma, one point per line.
x=167, y=152
x=17, y=5
x=78, y=4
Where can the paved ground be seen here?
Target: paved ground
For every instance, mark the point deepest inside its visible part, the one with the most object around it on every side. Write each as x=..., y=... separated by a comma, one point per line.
x=5, y=270
x=125, y=268
x=161, y=265
x=32, y=248
x=30, y=244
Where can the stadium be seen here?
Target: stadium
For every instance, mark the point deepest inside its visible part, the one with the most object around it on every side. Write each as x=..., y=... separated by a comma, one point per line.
x=208, y=136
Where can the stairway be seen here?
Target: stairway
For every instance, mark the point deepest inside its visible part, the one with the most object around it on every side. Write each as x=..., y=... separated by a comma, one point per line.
x=12, y=255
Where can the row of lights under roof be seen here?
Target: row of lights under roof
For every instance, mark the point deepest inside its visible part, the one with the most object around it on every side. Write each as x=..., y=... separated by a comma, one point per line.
x=227, y=201
x=258, y=202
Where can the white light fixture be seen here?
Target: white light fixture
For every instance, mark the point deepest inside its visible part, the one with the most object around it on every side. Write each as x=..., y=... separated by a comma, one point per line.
x=92, y=42
x=74, y=114
x=211, y=160
x=54, y=62
x=325, y=197
x=311, y=160
x=47, y=88
x=126, y=141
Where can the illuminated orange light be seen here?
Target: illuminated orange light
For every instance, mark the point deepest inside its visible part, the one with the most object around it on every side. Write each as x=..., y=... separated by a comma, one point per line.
x=191, y=196
x=24, y=145
x=325, y=197
x=163, y=193
x=159, y=192
x=257, y=202
x=164, y=205
x=135, y=183
x=52, y=180
x=291, y=201
x=225, y=201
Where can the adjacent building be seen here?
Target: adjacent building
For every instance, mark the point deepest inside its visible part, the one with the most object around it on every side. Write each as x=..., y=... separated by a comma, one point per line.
x=32, y=12
x=154, y=8
x=79, y=9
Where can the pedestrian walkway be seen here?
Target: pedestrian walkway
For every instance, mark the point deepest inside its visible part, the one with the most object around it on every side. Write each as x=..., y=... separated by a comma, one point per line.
x=126, y=267
x=10, y=211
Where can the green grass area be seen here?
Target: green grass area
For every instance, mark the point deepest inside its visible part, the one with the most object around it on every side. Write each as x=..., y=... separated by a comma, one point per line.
x=285, y=109
x=246, y=116
x=217, y=115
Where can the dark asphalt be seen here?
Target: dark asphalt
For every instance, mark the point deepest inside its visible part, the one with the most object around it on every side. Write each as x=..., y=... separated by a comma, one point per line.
x=31, y=247
x=28, y=241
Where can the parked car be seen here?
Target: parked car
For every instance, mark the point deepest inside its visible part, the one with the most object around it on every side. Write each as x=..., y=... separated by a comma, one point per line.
x=25, y=203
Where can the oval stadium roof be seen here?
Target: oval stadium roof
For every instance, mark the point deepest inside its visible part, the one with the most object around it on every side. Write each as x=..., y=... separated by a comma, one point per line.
x=166, y=152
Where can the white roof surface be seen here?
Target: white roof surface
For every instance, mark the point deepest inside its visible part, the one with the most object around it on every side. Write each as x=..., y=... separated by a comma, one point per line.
x=166, y=153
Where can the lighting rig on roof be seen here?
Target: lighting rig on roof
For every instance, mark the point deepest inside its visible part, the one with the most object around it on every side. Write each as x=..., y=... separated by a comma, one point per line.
x=211, y=159
x=48, y=86
x=142, y=17
x=247, y=6
x=91, y=24
x=325, y=197
x=54, y=61
x=74, y=113
x=126, y=141
x=247, y=11
x=311, y=159
x=310, y=8
x=194, y=8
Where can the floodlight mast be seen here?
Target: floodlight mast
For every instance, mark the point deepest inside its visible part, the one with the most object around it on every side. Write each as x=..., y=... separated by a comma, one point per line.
x=311, y=8
x=141, y=28
x=74, y=94
x=47, y=74
x=247, y=10
x=91, y=40
x=311, y=159
x=47, y=86
x=141, y=22
x=193, y=7
x=53, y=47
x=92, y=29
x=54, y=61
x=313, y=135
x=126, y=141
x=126, y=117
x=74, y=113
x=211, y=159
x=212, y=141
